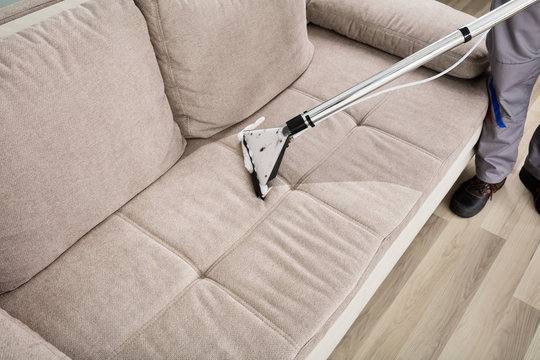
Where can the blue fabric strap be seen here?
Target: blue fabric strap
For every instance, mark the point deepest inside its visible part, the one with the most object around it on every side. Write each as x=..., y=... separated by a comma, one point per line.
x=495, y=104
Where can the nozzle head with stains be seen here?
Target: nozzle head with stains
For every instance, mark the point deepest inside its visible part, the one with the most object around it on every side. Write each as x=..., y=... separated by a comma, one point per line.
x=263, y=151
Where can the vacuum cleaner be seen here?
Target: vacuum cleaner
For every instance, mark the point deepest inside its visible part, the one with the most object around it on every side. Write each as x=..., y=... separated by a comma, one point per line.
x=264, y=149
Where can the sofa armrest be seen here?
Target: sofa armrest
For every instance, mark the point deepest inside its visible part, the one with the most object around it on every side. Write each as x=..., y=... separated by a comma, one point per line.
x=401, y=28
x=17, y=341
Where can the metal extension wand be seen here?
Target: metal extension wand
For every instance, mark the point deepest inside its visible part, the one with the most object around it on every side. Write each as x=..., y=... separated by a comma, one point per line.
x=263, y=149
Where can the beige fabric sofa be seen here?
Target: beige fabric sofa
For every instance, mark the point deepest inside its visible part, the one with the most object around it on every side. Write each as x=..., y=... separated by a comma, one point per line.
x=188, y=263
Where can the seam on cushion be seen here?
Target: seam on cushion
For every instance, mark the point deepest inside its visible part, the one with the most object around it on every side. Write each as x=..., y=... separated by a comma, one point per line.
x=323, y=160
x=411, y=39
x=169, y=66
x=375, y=107
x=153, y=237
x=254, y=312
x=342, y=214
x=137, y=333
x=418, y=148
x=242, y=238
x=347, y=114
x=338, y=145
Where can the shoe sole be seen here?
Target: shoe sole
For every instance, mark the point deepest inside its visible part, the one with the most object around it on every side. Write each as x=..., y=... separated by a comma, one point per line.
x=463, y=212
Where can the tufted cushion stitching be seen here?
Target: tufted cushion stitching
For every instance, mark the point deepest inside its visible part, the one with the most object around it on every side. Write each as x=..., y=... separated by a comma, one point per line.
x=377, y=105
x=247, y=233
x=249, y=308
x=416, y=147
x=342, y=214
x=324, y=159
x=355, y=224
x=345, y=113
x=153, y=318
x=153, y=237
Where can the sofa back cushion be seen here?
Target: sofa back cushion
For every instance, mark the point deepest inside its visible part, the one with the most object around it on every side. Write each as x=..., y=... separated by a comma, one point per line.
x=222, y=60
x=84, y=126
x=401, y=28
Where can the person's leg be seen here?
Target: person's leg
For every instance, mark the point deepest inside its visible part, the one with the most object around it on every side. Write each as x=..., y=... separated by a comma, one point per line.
x=530, y=173
x=514, y=54
x=532, y=163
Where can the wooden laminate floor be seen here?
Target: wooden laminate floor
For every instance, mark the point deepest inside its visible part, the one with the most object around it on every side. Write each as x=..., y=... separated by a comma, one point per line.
x=465, y=288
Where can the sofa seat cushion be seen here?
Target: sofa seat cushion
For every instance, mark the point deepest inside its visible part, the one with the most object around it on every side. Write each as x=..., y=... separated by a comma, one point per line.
x=84, y=126
x=222, y=60
x=216, y=272
x=104, y=288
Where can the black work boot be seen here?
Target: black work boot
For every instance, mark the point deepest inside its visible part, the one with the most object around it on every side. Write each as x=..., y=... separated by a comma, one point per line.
x=532, y=184
x=472, y=196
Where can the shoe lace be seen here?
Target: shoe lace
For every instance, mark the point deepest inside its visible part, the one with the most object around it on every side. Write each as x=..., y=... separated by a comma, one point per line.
x=482, y=187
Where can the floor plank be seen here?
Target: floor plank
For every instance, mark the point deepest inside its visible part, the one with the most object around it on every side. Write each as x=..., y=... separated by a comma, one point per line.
x=514, y=333
x=390, y=288
x=477, y=326
x=385, y=339
x=533, y=353
x=528, y=289
x=447, y=307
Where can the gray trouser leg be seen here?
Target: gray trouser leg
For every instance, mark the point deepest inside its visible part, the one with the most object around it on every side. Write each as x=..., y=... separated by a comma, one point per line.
x=514, y=54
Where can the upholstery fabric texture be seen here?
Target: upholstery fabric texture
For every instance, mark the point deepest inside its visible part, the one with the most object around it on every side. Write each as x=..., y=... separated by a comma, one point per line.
x=85, y=126
x=223, y=60
x=21, y=8
x=196, y=267
x=17, y=341
x=401, y=28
